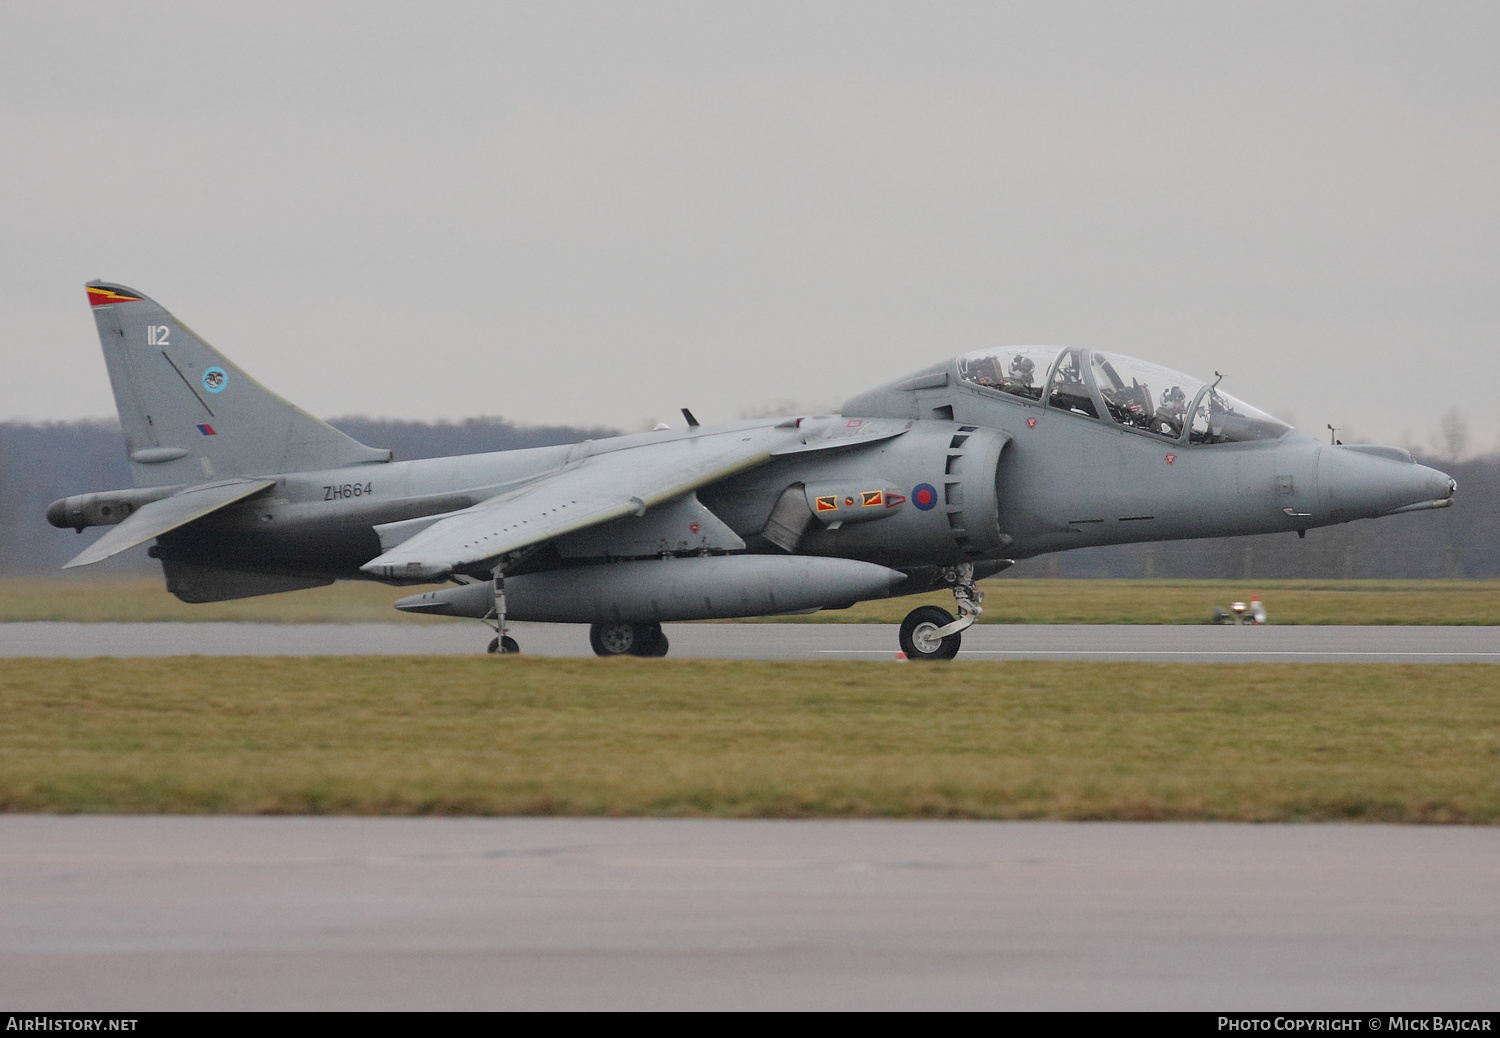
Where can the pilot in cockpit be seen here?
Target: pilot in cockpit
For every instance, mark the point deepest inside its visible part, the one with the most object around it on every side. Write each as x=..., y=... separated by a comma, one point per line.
x=1172, y=412
x=1022, y=371
x=1174, y=404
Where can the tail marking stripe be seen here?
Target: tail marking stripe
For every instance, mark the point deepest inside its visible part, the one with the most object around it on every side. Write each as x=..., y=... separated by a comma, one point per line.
x=105, y=296
x=191, y=388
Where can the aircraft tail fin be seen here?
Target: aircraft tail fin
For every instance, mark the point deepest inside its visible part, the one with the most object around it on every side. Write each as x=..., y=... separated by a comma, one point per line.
x=189, y=414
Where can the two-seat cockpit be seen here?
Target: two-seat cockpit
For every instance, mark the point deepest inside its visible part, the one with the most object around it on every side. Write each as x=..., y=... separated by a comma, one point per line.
x=1132, y=393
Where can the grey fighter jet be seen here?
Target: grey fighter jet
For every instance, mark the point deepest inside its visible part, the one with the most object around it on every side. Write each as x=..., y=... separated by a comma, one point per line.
x=933, y=481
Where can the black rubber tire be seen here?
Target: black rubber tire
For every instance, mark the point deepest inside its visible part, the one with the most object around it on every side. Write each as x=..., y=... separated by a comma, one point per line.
x=615, y=639
x=917, y=624
x=494, y=646
x=650, y=641
x=504, y=646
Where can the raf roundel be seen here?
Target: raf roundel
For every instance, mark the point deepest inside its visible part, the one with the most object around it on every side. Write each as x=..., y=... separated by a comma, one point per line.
x=924, y=496
x=214, y=380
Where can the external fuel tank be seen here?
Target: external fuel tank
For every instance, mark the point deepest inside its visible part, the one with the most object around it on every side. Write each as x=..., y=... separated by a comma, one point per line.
x=707, y=587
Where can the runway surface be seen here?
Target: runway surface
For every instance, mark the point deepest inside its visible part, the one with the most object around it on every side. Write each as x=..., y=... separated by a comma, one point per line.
x=342, y=913
x=1201, y=643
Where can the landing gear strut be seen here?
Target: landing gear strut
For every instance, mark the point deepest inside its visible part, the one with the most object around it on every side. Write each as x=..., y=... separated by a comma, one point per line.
x=502, y=643
x=930, y=633
x=622, y=639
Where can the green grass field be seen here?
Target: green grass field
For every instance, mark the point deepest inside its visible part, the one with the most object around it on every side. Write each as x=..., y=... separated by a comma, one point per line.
x=520, y=735
x=1007, y=601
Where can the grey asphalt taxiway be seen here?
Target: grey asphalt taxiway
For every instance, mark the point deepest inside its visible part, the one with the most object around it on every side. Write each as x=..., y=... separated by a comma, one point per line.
x=142, y=913
x=1201, y=643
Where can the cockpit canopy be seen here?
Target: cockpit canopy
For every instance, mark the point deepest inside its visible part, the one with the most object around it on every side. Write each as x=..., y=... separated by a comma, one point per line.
x=1134, y=393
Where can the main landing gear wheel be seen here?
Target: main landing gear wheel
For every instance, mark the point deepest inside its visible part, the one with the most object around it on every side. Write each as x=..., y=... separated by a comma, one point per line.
x=503, y=646
x=918, y=632
x=658, y=646
x=621, y=639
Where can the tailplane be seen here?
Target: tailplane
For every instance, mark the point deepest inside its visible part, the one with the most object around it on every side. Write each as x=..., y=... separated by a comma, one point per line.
x=189, y=414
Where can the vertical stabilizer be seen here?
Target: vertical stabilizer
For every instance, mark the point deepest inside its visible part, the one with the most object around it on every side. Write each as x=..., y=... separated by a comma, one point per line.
x=190, y=414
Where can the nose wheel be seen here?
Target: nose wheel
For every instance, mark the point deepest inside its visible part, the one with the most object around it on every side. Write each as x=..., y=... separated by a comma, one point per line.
x=503, y=646
x=930, y=633
x=621, y=639
x=920, y=639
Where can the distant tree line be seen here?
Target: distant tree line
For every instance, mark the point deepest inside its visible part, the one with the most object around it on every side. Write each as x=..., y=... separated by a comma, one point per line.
x=40, y=463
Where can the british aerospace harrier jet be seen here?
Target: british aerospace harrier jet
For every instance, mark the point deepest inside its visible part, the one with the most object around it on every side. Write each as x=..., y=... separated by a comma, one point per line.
x=933, y=481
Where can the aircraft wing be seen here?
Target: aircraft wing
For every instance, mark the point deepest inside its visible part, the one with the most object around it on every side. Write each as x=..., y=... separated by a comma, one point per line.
x=592, y=491
x=586, y=493
x=158, y=517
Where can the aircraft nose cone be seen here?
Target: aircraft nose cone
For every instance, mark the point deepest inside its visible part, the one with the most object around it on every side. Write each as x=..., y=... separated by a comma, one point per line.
x=1420, y=485
x=1434, y=486
x=1363, y=483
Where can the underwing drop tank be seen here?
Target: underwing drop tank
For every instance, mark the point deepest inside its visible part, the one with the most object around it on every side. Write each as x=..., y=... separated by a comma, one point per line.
x=711, y=587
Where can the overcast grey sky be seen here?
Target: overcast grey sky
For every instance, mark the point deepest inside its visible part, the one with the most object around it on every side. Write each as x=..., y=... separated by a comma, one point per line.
x=598, y=213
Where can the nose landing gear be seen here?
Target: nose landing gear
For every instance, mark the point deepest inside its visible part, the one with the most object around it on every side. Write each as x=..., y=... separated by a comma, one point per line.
x=931, y=633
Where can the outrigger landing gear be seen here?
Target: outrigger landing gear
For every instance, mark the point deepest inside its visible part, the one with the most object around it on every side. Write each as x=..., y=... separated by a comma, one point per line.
x=502, y=643
x=622, y=639
x=931, y=633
